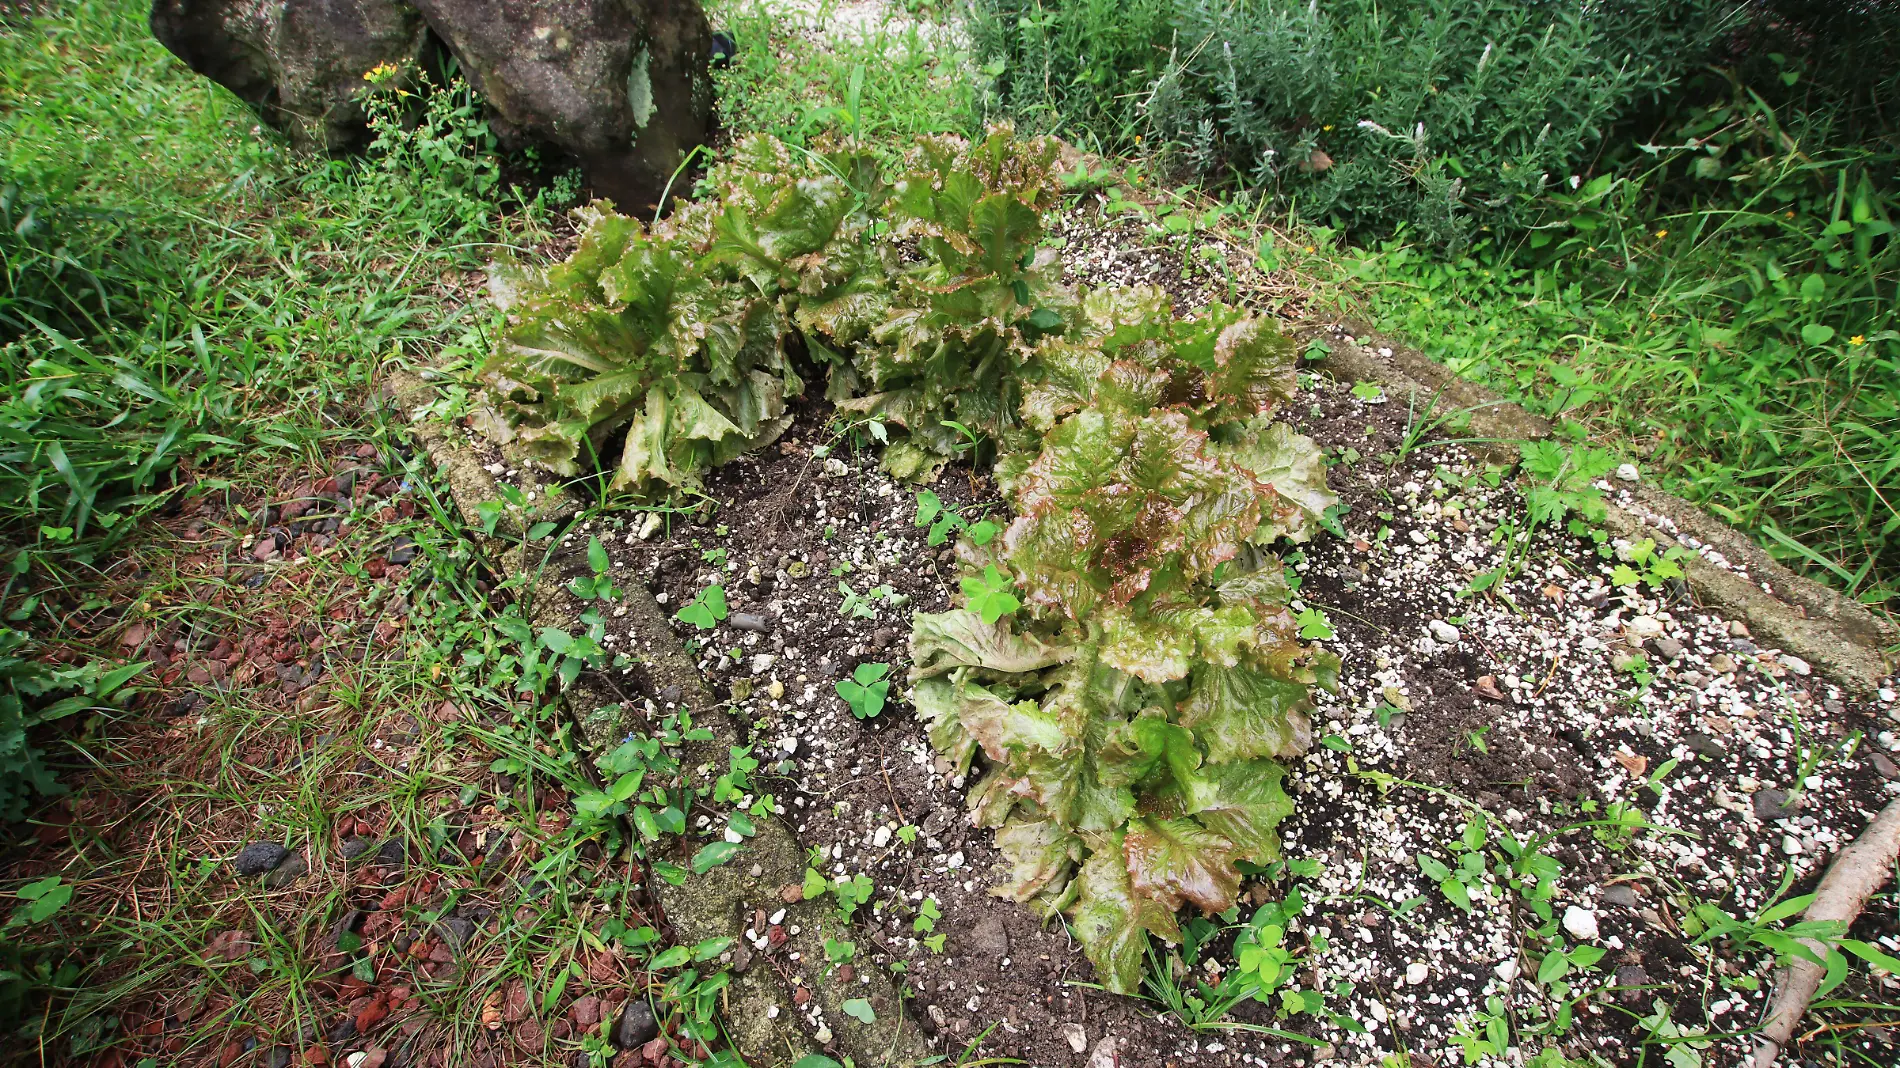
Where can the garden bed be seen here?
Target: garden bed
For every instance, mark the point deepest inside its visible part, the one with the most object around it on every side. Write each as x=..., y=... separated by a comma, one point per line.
x=1739, y=760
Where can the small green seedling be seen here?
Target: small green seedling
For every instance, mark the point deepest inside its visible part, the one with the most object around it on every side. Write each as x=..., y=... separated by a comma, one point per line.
x=1314, y=626
x=706, y=610
x=598, y=585
x=1645, y=568
x=991, y=595
x=944, y=520
x=44, y=898
x=927, y=916
x=865, y=690
x=864, y=605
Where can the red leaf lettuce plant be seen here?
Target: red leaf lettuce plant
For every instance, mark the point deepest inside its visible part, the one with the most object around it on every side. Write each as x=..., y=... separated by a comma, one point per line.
x=1131, y=716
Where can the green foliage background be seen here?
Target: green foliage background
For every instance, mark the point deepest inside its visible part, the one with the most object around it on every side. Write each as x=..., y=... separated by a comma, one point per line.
x=1669, y=225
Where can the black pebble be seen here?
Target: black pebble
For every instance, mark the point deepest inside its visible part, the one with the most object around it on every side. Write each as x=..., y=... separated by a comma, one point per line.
x=259, y=857
x=636, y=1025
x=393, y=854
x=1771, y=804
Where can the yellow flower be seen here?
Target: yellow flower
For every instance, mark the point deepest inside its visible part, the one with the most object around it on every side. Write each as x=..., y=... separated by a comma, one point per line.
x=1790, y=215
x=1328, y=126
x=1138, y=139
x=1660, y=234
x=1310, y=248
x=1857, y=339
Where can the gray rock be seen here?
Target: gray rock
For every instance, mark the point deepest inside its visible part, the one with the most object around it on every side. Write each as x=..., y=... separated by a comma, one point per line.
x=1622, y=894
x=621, y=85
x=456, y=931
x=1704, y=745
x=393, y=853
x=298, y=63
x=1887, y=769
x=748, y=621
x=351, y=923
x=1667, y=648
x=988, y=940
x=1631, y=977
x=259, y=857
x=636, y=1024
x=278, y=1057
x=403, y=551
x=1771, y=804
x=293, y=868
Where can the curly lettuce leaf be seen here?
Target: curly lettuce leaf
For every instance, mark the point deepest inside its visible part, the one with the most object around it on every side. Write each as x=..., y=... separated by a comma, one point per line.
x=1239, y=713
x=1242, y=802
x=1040, y=855
x=942, y=641
x=1175, y=860
x=1113, y=922
x=1292, y=469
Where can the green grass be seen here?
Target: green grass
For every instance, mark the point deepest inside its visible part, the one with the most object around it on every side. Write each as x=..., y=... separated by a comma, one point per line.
x=887, y=85
x=193, y=322
x=248, y=290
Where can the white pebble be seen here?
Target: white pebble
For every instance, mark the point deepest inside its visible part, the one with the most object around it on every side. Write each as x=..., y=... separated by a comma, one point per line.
x=1581, y=923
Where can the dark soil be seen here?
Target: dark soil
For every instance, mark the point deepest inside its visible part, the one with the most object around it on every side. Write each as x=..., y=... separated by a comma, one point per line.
x=1556, y=746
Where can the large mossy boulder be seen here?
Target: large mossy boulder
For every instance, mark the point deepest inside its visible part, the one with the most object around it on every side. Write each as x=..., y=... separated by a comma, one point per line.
x=299, y=63
x=619, y=85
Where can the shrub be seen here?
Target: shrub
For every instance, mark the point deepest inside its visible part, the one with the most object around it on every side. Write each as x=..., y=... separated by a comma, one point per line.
x=1442, y=114
x=677, y=332
x=1131, y=715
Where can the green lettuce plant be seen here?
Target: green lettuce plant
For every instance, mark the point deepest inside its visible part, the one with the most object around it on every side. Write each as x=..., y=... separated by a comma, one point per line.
x=973, y=295
x=676, y=333
x=922, y=300
x=1131, y=715
x=1125, y=659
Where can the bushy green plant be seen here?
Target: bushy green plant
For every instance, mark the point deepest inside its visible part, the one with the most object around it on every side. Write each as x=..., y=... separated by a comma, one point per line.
x=1131, y=715
x=950, y=355
x=922, y=299
x=673, y=333
x=1443, y=114
x=29, y=700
